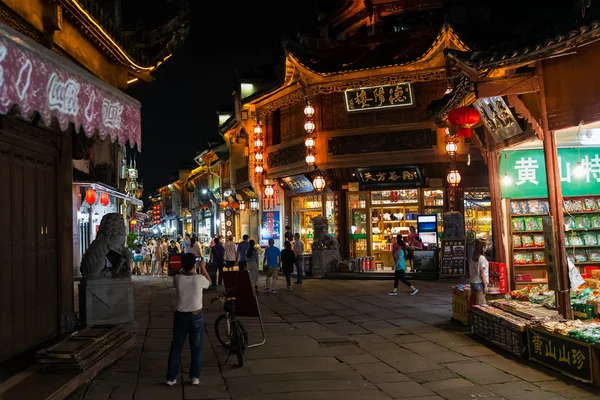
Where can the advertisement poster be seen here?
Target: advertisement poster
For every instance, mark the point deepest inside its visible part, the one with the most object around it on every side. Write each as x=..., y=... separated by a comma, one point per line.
x=270, y=226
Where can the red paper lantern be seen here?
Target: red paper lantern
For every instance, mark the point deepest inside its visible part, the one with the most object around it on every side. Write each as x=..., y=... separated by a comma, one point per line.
x=224, y=204
x=235, y=205
x=464, y=118
x=104, y=199
x=90, y=196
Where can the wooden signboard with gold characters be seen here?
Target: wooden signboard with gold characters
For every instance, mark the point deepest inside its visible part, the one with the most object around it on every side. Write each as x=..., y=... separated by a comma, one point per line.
x=574, y=358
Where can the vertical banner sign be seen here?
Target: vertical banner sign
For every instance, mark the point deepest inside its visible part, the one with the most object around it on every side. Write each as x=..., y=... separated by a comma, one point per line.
x=453, y=258
x=270, y=225
x=550, y=253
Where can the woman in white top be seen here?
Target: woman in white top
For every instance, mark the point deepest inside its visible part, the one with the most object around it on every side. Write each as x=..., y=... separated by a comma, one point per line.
x=479, y=272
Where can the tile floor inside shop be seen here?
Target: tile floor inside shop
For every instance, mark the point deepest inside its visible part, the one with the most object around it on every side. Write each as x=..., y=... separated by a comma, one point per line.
x=347, y=339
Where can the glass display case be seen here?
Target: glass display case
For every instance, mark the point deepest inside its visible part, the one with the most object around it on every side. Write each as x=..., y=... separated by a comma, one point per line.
x=357, y=207
x=433, y=204
x=304, y=209
x=392, y=213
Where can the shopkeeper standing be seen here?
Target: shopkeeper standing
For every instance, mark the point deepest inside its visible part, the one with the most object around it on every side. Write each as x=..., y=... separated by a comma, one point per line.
x=479, y=272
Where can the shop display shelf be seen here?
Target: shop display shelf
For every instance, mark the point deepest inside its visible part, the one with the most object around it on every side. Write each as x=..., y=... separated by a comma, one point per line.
x=581, y=212
x=529, y=265
x=584, y=247
x=528, y=248
x=527, y=231
x=588, y=263
x=533, y=281
x=582, y=230
x=529, y=215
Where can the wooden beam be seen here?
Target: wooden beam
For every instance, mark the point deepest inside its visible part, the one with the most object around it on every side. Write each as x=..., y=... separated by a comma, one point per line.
x=68, y=320
x=527, y=83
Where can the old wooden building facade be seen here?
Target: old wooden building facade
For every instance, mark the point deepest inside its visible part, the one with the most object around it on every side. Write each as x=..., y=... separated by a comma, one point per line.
x=62, y=67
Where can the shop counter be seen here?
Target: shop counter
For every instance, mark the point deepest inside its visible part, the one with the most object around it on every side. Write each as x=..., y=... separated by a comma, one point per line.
x=501, y=328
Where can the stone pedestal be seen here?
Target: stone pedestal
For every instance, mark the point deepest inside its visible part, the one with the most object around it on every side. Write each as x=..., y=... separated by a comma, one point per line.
x=324, y=260
x=107, y=302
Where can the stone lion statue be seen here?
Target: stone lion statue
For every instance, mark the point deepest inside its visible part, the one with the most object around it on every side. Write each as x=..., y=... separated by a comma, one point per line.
x=107, y=256
x=322, y=240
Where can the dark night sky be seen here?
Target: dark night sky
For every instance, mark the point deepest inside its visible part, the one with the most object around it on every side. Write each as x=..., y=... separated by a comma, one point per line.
x=179, y=108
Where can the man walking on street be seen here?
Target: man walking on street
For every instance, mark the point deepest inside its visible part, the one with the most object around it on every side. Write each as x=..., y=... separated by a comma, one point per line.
x=241, y=253
x=299, y=253
x=229, y=253
x=188, y=319
x=272, y=261
x=217, y=256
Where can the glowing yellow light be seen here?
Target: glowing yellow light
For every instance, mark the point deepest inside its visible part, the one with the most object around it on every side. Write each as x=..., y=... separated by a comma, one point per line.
x=309, y=142
x=506, y=180
x=132, y=80
x=310, y=159
x=110, y=39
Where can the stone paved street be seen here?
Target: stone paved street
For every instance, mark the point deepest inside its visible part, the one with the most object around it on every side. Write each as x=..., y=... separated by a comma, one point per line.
x=331, y=339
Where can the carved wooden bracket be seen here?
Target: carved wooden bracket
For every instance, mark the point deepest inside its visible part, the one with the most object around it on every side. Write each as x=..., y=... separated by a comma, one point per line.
x=523, y=112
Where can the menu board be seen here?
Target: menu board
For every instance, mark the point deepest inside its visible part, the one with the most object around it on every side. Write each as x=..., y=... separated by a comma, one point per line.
x=453, y=258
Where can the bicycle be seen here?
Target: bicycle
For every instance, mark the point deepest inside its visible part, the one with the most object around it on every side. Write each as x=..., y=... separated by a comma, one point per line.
x=236, y=337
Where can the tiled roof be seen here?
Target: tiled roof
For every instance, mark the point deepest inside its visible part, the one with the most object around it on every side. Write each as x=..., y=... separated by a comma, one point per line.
x=395, y=49
x=562, y=28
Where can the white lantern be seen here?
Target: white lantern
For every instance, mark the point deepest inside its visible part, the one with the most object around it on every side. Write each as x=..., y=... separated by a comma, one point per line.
x=257, y=130
x=258, y=143
x=453, y=177
x=319, y=183
x=310, y=159
x=269, y=191
x=258, y=156
x=310, y=142
x=309, y=126
x=258, y=169
x=309, y=111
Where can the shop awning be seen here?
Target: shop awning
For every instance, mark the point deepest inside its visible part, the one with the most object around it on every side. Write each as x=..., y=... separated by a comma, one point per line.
x=38, y=80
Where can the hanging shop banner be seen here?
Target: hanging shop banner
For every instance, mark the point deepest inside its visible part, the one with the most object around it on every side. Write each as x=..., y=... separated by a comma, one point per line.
x=298, y=184
x=568, y=356
x=393, y=176
x=526, y=170
x=38, y=80
x=379, y=97
x=270, y=228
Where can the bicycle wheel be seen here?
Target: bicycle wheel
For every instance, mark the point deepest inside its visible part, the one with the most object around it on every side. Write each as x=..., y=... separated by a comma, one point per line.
x=238, y=340
x=223, y=330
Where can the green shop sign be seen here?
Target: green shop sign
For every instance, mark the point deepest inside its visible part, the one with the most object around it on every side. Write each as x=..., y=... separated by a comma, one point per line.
x=527, y=172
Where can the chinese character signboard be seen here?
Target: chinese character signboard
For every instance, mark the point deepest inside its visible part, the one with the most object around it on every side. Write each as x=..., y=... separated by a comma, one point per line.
x=390, y=176
x=498, y=118
x=379, y=97
x=571, y=357
x=298, y=184
x=527, y=170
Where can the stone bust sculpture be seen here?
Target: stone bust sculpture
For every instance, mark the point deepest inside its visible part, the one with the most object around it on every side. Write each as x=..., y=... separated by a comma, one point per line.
x=107, y=256
x=322, y=239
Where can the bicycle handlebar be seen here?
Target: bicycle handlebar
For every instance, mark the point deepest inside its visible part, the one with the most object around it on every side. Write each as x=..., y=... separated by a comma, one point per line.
x=225, y=294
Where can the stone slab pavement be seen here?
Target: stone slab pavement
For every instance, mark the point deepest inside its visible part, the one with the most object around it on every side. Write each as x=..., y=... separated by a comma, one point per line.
x=330, y=339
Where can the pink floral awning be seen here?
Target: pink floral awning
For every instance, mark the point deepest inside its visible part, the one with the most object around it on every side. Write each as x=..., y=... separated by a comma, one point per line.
x=36, y=79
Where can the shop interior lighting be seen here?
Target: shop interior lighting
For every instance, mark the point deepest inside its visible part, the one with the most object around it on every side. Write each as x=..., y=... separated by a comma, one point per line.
x=310, y=142
x=580, y=170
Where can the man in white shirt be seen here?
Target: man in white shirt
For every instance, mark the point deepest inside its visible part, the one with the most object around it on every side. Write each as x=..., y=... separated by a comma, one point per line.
x=188, y=318
x=229, y=252
x=298, y=246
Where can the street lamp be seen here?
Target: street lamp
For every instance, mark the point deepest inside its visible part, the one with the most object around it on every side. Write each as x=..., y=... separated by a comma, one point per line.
x=242, y=205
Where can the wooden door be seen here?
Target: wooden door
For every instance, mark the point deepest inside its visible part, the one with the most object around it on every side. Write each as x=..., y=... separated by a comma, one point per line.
x=28, y=246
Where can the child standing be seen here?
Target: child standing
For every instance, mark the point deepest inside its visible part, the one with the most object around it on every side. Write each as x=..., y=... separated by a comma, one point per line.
x=288, y=258
x=400, y=270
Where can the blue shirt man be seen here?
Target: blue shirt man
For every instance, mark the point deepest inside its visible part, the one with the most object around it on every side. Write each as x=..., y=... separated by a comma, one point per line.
x=271, y=262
